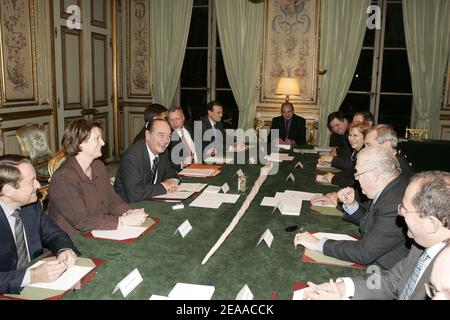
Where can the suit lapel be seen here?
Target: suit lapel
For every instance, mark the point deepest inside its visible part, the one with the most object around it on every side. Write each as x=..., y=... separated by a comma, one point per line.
x=6, y=236
x=146, y=162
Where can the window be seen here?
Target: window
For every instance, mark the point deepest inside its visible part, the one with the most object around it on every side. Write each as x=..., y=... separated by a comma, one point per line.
x=382, y=80
x=203, y=76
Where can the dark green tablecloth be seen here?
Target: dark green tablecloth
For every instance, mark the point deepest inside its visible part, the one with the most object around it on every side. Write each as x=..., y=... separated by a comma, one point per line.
x=163, y=259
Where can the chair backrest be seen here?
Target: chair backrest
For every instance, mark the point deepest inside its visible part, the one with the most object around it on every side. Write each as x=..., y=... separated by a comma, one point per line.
x=2, y=144
x=416, y=134
x=55, y=162
x=33, y=142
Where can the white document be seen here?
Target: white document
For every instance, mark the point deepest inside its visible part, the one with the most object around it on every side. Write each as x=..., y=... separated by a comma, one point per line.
x=184, y=228
x=122, y=233
x=186, y=291
x=158, y=297
x=267, y=236
x=177, y=195
x=323, y=149
x=213, y=189
x=269, y=202
x=307, y=196
x=283, y=146
x=66, y=281
x=290, y=176
x=219, y=160
x=311, y=151
x=205, y=202
x=227, y=198
x=129, y=283
x=240, y=173
x=194, y=187
x=288, y=204
x=333, y=236
x=244, y=294
x=225, y=188
x=298, y=294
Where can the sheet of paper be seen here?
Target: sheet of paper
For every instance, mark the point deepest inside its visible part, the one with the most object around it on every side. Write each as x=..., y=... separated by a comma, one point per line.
x=194, y=187
x=177, y=195
x=122, y=233
x=227, y=198
x=244, y=294
x=298, y=294
x=66, y=281
x=186, y=291
x=158, y=297
x=333, y=236
x=213, y=189
x=205, y=202
x=219, y=160
x=269, y=202
x=311, y=151
x=301, y=195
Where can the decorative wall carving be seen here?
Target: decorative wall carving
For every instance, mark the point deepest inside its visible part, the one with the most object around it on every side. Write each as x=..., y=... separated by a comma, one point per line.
x=291, y=48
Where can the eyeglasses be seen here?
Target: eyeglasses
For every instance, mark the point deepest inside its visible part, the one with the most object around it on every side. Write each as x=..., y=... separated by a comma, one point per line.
x=401, y=208
x=432, y=291
x=357, y=175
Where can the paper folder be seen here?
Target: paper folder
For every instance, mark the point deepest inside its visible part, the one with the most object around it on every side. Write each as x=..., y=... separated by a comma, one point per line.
x=208, y=171
x=34, y=293
x=328, y=211
x=150, y=223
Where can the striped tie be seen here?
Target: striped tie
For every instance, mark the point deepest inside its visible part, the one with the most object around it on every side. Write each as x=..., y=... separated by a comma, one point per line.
x=414, y=278
x=154, y=169
x=20, y=241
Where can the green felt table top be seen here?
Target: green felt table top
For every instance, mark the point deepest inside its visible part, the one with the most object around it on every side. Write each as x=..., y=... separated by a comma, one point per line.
x=164, y=259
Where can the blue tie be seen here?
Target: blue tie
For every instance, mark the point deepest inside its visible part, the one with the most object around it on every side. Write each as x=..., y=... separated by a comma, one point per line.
x=154, y=169
x=20, y=241
x=414, y=278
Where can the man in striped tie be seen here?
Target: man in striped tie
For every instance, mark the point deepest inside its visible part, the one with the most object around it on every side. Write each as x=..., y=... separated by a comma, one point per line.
x=25, y=230
x=427, y=213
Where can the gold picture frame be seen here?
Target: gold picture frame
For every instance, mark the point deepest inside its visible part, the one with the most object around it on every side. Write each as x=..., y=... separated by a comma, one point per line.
x=18, y=68
x=138, y=53
x=291, y=48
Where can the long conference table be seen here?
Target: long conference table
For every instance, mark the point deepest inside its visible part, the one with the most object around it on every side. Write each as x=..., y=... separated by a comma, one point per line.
x=163, y=259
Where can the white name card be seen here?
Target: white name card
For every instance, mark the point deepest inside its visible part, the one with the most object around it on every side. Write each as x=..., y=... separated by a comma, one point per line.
x=225, y=188
x=245, y=294
x=240, y=173
x=252, y=160
x=290, y=176
x=267, y=236
x=129, y=283
x=299, y=164
x=184, y=228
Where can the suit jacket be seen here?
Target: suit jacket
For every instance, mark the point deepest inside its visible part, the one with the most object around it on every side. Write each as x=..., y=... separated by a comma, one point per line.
x=206, y=142
x=77, y=203
x=347, y=164
x=394, y=280
x=41, y=232
x=134, y=180
x=297, y=130
x=407, y=171
x=383, y=239
x=344, y=148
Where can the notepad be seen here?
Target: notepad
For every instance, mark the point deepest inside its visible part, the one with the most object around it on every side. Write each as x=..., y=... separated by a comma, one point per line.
x=122, y=233
x=194, y=187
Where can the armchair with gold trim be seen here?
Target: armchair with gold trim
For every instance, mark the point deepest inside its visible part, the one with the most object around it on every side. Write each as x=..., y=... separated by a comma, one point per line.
x=55, y=162
x=33, y=143
x=416, y=134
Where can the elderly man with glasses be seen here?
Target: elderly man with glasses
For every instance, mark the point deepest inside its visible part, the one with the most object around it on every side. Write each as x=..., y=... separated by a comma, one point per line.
x=427, y=213
x=382, y=237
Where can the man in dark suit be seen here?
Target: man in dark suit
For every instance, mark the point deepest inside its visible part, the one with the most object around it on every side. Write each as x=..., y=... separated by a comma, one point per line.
x=213, y=133
x=182, y=147
x=145, y=169
x=25, y=230
x=153, y=111
x=427, y=214
x=338, y=125
x=291, y=128
x=383, y=237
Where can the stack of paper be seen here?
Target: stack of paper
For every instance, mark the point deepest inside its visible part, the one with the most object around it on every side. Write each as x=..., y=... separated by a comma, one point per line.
x=194, y=187
x=205, y=200
x=174, y=196
x=200, y=171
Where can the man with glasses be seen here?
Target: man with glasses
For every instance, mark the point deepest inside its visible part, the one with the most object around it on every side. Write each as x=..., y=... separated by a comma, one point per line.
x=382, y=237
x=427, y=213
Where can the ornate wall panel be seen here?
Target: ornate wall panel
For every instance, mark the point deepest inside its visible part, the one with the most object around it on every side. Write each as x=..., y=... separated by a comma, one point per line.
x=98, y=13
x=99, y=69
x=138, y=44
x=291, y=48
x=18, y=68
x=72, y=64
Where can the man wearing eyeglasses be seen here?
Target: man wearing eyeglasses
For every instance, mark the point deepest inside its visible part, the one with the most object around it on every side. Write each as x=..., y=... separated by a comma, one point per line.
x=383, y=239
x=438, y=288
x=427, y=213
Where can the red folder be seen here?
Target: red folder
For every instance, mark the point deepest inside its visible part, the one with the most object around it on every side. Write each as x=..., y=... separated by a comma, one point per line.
x=90, y=236
x=305, y=258
x=204, y=167
x=86, y=279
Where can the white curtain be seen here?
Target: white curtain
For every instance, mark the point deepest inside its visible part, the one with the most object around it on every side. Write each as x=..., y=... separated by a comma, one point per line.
x=343, y=26
x=427, y=33
x=170, y=21
x=241, y=26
